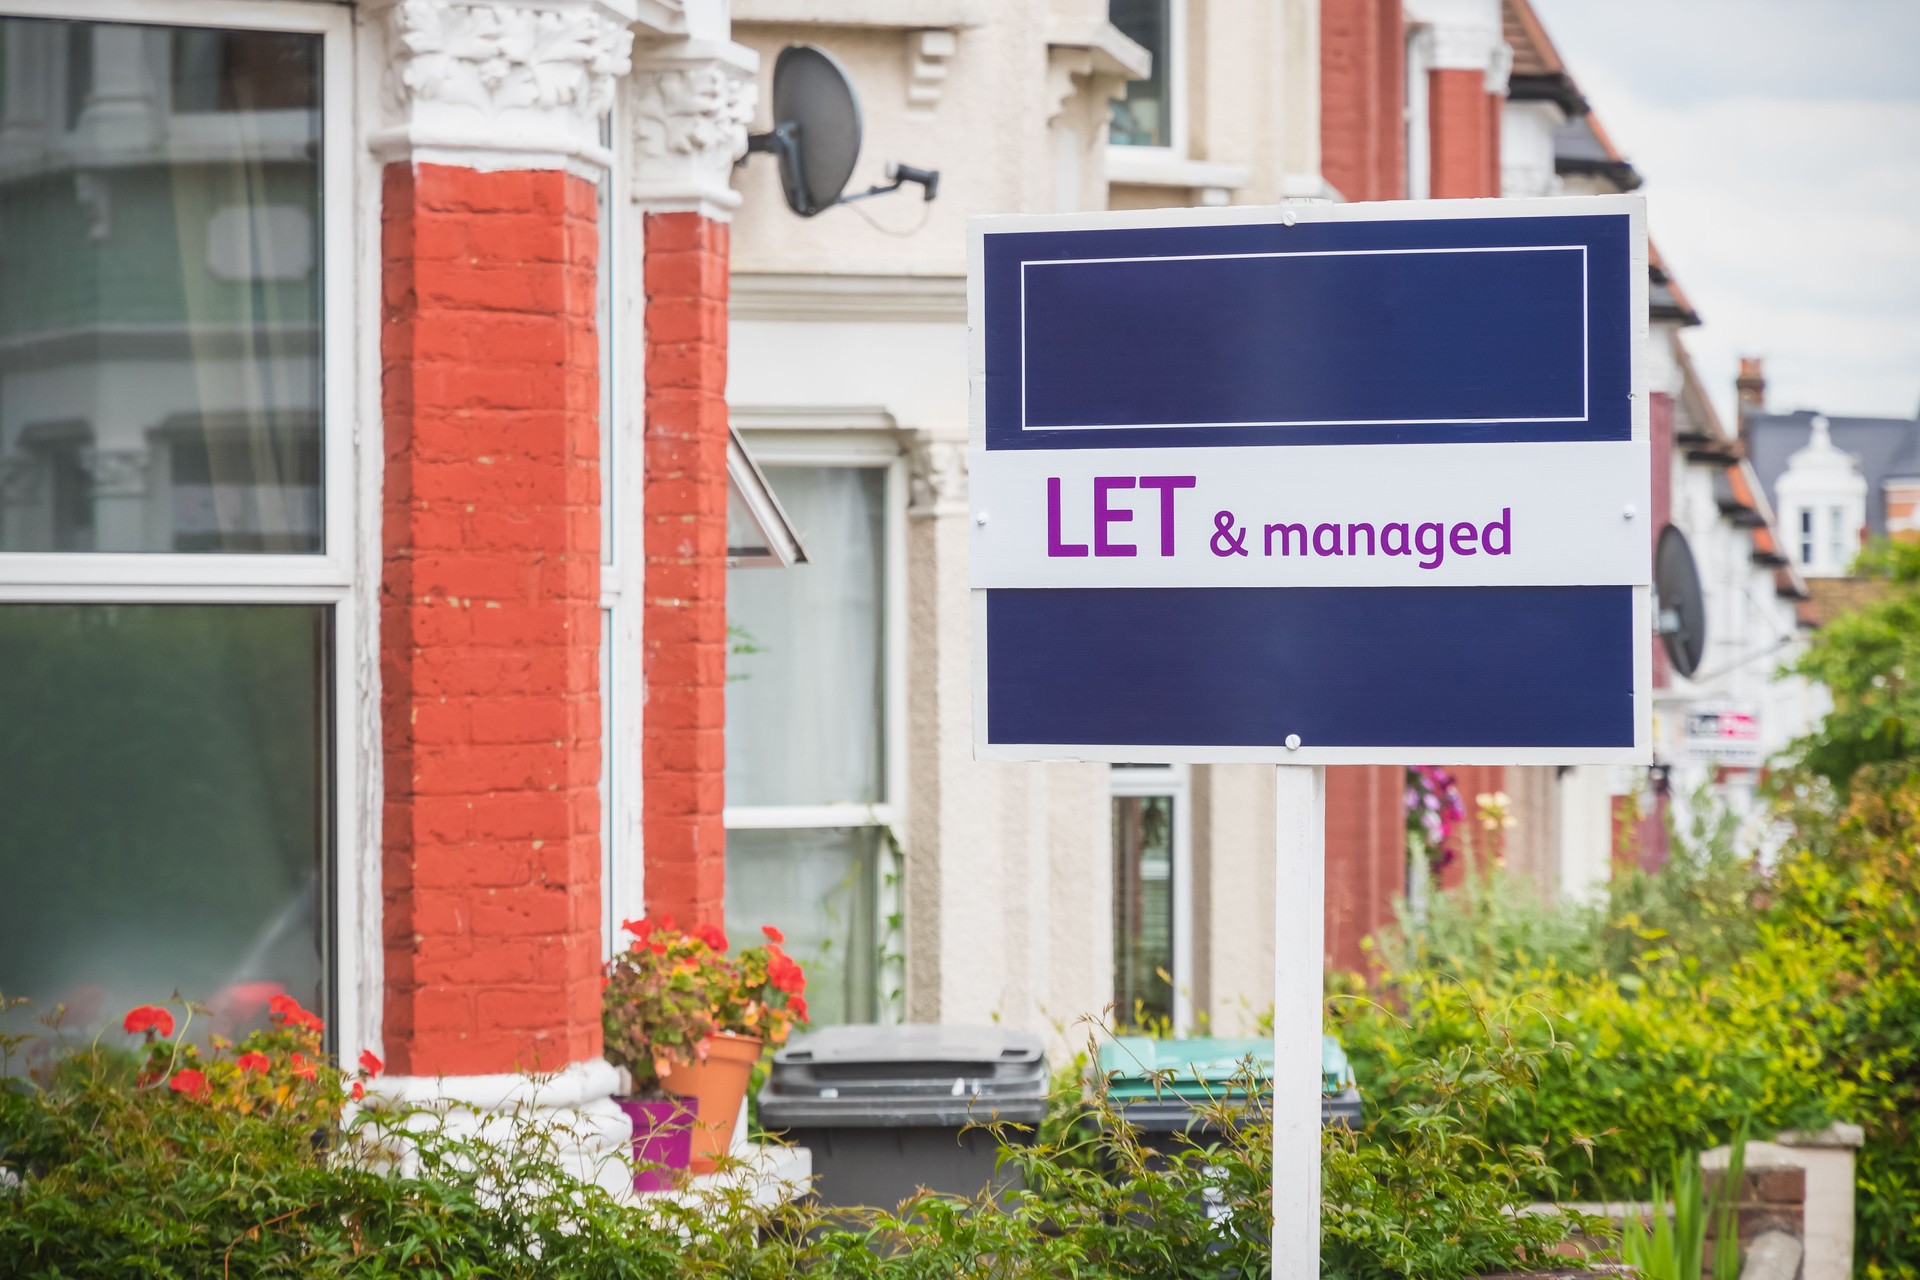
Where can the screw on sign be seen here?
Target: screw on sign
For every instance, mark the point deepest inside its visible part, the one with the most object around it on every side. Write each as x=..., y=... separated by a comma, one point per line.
x=1357, y=497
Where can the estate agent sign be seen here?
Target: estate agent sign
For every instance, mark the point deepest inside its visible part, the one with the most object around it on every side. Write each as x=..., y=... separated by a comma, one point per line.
x=1330, y=484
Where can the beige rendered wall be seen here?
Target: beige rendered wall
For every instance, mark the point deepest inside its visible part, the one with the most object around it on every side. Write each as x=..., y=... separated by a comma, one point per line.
x=852, y=323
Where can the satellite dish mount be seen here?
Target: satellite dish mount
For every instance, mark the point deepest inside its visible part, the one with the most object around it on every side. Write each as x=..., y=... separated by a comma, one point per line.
x=816, y=135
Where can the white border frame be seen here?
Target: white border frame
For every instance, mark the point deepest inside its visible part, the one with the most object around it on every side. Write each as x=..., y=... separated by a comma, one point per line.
x=345, y=575
x=1633, y=207
x=1586, y=339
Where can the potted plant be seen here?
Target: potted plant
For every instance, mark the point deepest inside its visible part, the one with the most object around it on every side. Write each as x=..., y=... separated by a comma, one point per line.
x=688, y=1023
x=656, y=1007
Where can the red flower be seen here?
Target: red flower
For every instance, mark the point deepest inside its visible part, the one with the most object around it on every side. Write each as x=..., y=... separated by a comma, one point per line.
x=711, y=935
x=773, y=934
x=785, y=974
x=641, y=928
x=253, y=1062
x=301, y=1067
x=359, y=1091
x=283, y=1005
x=149, y=1017
x=370, y=1064
x=190, y=1082
x=797, y=1006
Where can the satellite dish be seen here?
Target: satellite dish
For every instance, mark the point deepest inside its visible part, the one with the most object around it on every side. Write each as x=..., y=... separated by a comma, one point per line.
x=816, y=134
x=1681, y=608
x=816, y=128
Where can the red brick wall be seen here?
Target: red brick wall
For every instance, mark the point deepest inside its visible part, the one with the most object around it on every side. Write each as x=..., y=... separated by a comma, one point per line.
x=1474, y=781
x=1363, y=98
x=489, y=621
x=685, y=621
x=1465, y=146
x=1366, y=856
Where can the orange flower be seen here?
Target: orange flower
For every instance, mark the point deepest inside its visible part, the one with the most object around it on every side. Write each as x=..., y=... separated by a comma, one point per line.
x=370, y=1064
x=149, y=1017
x=785, y=974
x=190, y=1082
x=773, y=934
x=258, y=1062
x=359, y=1091
x=301, y=1067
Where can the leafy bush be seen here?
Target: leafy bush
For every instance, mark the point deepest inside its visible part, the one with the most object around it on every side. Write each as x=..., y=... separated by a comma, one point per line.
x=1869, y=660
x=123, y=1178
x=1706, y=997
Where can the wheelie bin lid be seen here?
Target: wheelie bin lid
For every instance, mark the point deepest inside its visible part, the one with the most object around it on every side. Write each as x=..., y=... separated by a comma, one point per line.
x=1141, y=1067
x=872, y=1075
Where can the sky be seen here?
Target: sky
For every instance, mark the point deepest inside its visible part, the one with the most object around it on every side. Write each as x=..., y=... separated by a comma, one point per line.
x=1779, y=141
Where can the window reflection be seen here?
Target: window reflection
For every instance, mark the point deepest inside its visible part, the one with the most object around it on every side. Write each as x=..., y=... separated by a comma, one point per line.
x=1142, y=118
x=160, y=381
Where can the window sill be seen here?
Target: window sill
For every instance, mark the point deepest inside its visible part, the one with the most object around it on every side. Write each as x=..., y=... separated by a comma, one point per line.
x=1156, y=167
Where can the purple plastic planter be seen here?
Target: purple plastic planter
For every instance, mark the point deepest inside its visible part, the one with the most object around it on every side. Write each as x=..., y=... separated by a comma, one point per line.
x=662, y=1139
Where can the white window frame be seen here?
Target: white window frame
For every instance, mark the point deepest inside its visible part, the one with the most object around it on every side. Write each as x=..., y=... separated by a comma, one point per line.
x=334, y=578
x=880, y=450
x=1176, y=75
x=623, y=876
x=1175, y=781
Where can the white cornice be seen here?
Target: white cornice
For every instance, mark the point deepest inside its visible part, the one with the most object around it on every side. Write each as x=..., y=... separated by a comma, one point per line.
x=501, y=84
x=897, y=15
x=690, y=106
x=878, y=299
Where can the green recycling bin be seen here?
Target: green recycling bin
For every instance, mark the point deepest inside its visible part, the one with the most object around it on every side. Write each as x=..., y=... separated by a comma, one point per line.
x=1164, y=1087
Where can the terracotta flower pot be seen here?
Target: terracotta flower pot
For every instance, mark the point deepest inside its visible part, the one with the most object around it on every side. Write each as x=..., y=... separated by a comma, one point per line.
x=662, y=1139
x=717, y=1081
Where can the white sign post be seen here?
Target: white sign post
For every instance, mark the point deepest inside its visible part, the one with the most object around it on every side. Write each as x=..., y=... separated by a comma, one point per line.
x=1329, y=485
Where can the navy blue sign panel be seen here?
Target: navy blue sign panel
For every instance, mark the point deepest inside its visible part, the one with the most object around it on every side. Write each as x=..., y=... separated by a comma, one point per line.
x=1517, y=324
x=1490, y=329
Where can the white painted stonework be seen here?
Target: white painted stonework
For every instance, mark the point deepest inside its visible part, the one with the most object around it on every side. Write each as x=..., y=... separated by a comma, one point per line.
x=501, y=84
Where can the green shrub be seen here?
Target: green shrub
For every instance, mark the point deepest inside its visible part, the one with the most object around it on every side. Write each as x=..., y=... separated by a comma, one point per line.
x=122, y=1178
x=1778, y=1000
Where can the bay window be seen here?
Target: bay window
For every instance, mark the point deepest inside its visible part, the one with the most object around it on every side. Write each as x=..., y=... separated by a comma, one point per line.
x=813, y=721
x=177, y=615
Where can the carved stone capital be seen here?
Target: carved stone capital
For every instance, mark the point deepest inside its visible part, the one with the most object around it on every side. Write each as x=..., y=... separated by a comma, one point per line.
x=502, y=84
x=690, y=106
x=936, y=478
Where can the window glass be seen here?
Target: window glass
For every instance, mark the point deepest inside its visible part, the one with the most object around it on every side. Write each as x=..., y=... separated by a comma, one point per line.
x=1838, y=538
x=1144, y=117
x=166, y=783
x=1143, y=909
x=160, y=383
x=818, y=886
x=806, y=672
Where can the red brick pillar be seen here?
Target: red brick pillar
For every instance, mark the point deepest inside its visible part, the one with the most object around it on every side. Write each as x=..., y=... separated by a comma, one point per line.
x=682, y=184
x=1363, y=98
x=1465, y=149
x=1366, y=856
x=685, y=622
x=489, y=623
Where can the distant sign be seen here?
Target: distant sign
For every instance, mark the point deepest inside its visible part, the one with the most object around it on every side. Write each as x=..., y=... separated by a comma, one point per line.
x=1354, y=483
x=1724, y=734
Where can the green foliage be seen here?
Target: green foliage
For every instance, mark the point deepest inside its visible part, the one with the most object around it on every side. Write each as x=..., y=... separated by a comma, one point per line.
x=118, y=1180
x=1708, y=996
x=1675, y=1247
x=1869, y=660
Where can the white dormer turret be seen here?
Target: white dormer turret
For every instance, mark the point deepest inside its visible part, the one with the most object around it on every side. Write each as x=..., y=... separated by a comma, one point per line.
x=1823, y=505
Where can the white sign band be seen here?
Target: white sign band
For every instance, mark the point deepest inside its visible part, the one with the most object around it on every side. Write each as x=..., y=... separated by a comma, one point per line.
x=1442, y=515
